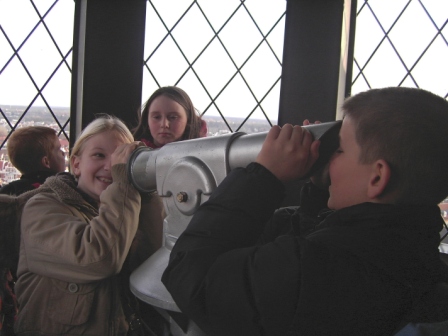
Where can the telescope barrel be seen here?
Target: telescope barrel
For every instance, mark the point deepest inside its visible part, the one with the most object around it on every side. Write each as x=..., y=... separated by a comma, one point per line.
x=185, y=173
x=234, y=150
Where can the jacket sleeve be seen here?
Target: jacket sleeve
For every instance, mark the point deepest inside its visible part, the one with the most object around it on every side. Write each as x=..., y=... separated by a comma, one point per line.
x=299, y=220
x=62, y=244
x=149, y=235
x=218, y=275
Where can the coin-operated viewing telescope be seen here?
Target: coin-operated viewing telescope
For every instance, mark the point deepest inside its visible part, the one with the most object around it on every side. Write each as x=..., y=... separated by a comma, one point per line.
x=185, y=173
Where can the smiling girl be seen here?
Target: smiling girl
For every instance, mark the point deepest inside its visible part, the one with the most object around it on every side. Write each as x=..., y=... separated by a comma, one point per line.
x=76, y=235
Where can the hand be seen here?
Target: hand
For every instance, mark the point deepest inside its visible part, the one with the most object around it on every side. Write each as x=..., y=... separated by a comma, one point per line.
x=123, y=152
x=288, y=152
x=306, y=122
x=321, y=177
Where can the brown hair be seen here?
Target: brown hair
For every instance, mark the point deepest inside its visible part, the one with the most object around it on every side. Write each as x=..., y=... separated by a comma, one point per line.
x=407, y=128
x=193, y=128
x=28, y=145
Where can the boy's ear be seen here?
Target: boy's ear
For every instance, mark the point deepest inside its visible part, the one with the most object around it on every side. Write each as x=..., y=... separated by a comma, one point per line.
x=379, y=179
x=45, y=162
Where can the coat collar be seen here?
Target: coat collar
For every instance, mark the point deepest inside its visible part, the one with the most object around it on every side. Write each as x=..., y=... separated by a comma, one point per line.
x=402, y=240
x=64, y=186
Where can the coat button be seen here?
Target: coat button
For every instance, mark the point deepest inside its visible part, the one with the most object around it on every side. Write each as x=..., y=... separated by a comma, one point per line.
x=73, y=288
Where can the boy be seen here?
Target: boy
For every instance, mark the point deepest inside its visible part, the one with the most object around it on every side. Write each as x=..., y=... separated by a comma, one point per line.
x=364, y=269
x=36, y=152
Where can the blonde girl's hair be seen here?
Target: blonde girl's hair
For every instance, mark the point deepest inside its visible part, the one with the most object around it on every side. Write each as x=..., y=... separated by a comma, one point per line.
x=103, y=123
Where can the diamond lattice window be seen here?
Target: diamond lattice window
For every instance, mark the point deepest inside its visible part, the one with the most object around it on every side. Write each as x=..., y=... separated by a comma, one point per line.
x=35, y=66
x=225, y=54
x=401, y=43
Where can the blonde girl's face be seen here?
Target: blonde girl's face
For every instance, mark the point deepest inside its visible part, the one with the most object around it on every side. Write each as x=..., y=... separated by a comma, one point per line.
x=167, y=120
x=92, y=166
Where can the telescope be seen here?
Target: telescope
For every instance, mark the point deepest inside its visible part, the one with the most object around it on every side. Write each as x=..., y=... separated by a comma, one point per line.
x=184, y=174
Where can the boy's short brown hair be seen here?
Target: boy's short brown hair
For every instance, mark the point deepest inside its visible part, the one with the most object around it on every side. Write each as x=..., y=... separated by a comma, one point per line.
x=28, y=145
x=407, y=128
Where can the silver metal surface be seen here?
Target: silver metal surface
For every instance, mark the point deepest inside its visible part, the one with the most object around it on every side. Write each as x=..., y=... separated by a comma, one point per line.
x=185, y=173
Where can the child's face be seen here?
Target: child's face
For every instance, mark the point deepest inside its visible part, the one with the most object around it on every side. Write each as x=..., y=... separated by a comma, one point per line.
x=57, y=157
x=349, y=178
x=93, y=165
x=167, y=120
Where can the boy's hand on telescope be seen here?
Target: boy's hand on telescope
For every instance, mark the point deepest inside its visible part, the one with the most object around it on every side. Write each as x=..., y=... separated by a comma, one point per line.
x=306, y=122
x=321, y=178
x=288, y=152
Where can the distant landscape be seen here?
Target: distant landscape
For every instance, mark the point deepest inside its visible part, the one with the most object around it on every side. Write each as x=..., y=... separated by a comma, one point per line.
x=10, y=115
x=40, y=115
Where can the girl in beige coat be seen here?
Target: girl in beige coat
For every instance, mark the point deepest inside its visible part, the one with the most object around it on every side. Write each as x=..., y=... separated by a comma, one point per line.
x=76, y=237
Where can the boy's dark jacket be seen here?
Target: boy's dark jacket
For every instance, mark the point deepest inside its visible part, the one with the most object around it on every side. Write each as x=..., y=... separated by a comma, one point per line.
x=26, y=183
x=361, y=271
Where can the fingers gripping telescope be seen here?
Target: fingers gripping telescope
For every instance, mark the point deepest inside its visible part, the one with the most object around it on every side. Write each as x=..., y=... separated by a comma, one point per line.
x=185, y=174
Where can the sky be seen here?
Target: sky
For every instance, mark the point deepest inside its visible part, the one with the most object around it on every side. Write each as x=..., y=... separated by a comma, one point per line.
x=18, y=18
x=214, y=68
x=410, y=36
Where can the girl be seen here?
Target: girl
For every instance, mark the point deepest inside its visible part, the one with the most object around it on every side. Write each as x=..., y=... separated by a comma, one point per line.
x=168, y=116
x=75, y=237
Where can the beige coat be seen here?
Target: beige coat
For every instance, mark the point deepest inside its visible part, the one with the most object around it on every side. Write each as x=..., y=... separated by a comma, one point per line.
x=71, y=253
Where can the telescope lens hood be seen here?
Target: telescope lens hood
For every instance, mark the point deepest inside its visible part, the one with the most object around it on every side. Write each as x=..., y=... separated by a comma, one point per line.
x=328, y=135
